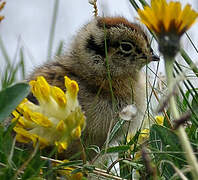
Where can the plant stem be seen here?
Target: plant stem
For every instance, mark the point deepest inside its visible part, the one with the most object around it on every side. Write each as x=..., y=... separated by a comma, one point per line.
x=188, y=60
x=175, y=113
x=52, y=29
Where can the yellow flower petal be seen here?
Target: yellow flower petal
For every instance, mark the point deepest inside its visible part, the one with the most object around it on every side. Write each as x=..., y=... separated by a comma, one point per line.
x=76, y=133
x=144, y=135
x=61, y=146
x=72, y=87
x=77, y=176
x=130, y=137
x=16, y=114
x=159, y=120
x=23, y=135
x=146, y=18
x=163, y=17
x=75, y=118
x=20, y=123
x=36, y=117
x=188, y=17
x=40, y=119
x=17, y=117
x=59, y=96
x=40, y=88
x=137, y=156
x=21, y=106
x=26, y=113
x=22, y=139
x=61, y=126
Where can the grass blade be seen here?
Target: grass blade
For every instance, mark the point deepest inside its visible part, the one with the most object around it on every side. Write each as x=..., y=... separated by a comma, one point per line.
x=52, y=29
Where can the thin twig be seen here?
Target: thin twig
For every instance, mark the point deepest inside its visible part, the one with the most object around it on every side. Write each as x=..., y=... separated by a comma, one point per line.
x=94, y=3
x=115, y=162
x=96, y=171
x=83, y=155
x=105, y=174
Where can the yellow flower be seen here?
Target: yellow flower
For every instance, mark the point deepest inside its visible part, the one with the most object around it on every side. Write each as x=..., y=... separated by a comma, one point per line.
x=144, y=136
x=57, y=119
x=163, y=17
x=159, y=120
x=169, y=21
x=40, y=89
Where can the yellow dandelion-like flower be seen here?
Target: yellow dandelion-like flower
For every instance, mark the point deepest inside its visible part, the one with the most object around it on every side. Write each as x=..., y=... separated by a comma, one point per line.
x=169, y=21
x=163, y=17
x=55, y=121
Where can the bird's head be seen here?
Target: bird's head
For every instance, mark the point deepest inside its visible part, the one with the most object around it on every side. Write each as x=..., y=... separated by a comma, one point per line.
x=114, y=44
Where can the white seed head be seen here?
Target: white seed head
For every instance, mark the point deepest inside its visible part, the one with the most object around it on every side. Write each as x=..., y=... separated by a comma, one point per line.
x=128, y=112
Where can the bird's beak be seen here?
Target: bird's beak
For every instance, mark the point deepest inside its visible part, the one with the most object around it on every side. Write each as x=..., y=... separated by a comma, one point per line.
x=155, y=58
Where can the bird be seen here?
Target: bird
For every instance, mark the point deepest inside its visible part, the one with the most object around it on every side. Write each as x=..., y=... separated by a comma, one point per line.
x=105, y=58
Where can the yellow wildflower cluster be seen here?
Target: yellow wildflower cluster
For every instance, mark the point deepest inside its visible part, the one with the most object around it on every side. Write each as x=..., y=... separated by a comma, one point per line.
x=144, y=135
x=1, y=7
x=164, y=17
x=56, y=120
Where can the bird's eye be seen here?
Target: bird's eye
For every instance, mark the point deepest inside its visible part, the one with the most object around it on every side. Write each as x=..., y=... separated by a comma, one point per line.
x=126, y=47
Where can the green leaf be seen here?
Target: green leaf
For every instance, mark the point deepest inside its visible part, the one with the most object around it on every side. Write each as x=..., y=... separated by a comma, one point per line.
x=22, y=63
x=77, y=170
x=71, y=163
x=5, y=53
x=167, y=145
x=115, y=129
x=11, y=97
x=88, y=167
x=117, y=149
x=137, y=166
x=189, y=61
x=195, y=104
x=33, y=168
x=165, y=139
x=186, y=100
x=52, y=29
